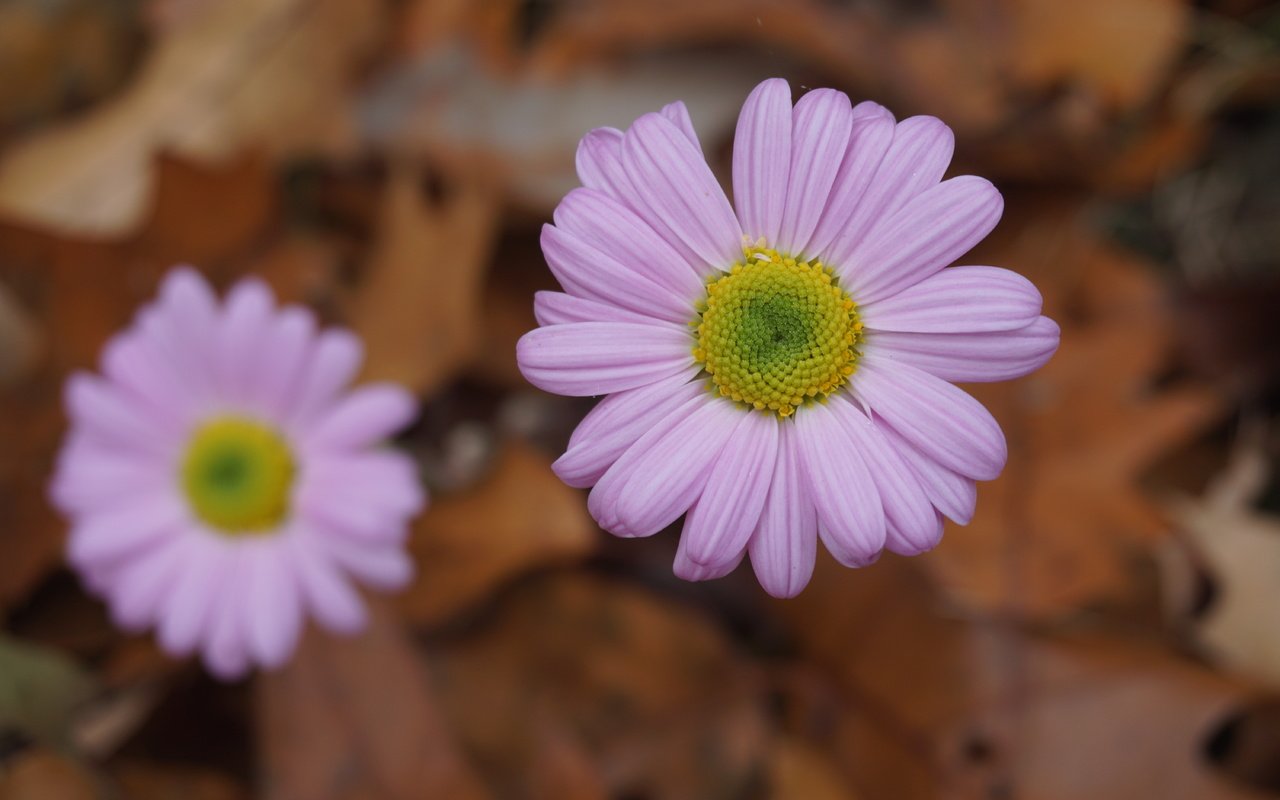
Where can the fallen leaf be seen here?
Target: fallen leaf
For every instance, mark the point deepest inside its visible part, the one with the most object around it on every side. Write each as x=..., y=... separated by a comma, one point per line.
x=1238, y=548
x=357, y=718
x=42, y=774
x=651, y=691
x=263, y=75
x=519, y=518
x=418, y=305
x=140, y=780
x=40, y=690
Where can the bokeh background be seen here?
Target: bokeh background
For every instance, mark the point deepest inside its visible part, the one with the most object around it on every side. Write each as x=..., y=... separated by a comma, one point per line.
x=1108, y=626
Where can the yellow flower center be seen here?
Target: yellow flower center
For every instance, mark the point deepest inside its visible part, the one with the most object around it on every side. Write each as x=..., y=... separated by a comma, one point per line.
x=776, y=332
x=237, y=474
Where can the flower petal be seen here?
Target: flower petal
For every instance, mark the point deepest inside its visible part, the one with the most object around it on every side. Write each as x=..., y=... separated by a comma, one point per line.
x=851, y=517
x=685, y=568
x=557, y=308
x=599, y=163
x=384, y=568
x=670, y=474
x=614, y=229
x=931, y=231
x=869, y=138
x=327, y=593
x=588, y=272
x=950, y=492
x=673, y=181
x=334, y=361
x=943, y=421
x=365, y=416
x=915, y=160
x=912, y=522
x=127, y=529
x=273, y=613
x=101, y=411
x=720, y=523
x=285, y=350
x=593, y=358
x=185, y=619
x=762, y=159
x=784, y=546
x=245, y=321
x=972, y=357
x=822, y=123
x=678, y=113
x=617, y=422
x=958, y=300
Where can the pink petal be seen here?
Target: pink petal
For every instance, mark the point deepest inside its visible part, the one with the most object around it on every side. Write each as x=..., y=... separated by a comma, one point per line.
x=958, y=300
x=912, y=522
x=556, y=308
x=145, y=378
x=385, y=568
x=365, y=416
x=951, y=493
x=617, y=422
x=599, y=163
x=822, y=123
x=285, y=350
x=941, y=420
x=972, y=357
x=593, y=358
x=273, y=613
x=126, y=530
x=186, y=618
x=226, y=649
x=687, y=569
x=669, y=475
x=603, y=500
x=327, y=593
x=245, y=321
x=678, y=113
x=182, y=326
x=931, y=231
x=333, y=363
x=762, y=159
x=916, y=160
x=383, y=480
x=784, y=546
x=99, y=409
x=587, y=272
x=138, y=590
x=851, y=517
x=673, y=181
x=612, y=228
x=869, y=138
x=720, y=523
x=94, y=476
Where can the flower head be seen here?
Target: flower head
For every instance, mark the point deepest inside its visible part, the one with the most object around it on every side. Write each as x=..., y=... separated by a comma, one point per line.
x=222, y=482
x=779, y=370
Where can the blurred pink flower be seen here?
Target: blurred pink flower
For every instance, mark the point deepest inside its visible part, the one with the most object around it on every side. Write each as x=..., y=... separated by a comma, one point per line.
x=223, y=484
x=820, y=316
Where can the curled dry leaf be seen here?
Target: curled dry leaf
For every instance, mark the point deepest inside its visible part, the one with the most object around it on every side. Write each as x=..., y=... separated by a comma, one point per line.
x=262, y=75
x=355, y=718
x=1058, y=530
x=470, y=543
x=418, y=305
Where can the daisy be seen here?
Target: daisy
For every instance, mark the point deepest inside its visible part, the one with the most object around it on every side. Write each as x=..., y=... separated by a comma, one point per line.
x=779, y=370
x=223, y=484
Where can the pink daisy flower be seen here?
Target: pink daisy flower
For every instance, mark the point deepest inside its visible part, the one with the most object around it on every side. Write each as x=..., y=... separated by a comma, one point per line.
x=780, y=373
x=222, y=483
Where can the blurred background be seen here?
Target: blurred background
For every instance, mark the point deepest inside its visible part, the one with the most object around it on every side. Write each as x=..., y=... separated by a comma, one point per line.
x=1108, y=626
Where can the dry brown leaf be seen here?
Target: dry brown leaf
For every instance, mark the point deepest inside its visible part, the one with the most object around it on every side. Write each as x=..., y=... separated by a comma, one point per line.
x=980, y=708
x=264, y=75
x=651, y=692
x=140, y=780
x=356, y=718
x=1239, y=549
x=1060, y=528
x=799, y=771
x=468, y=544
x=41, y=775
x=418, y=305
